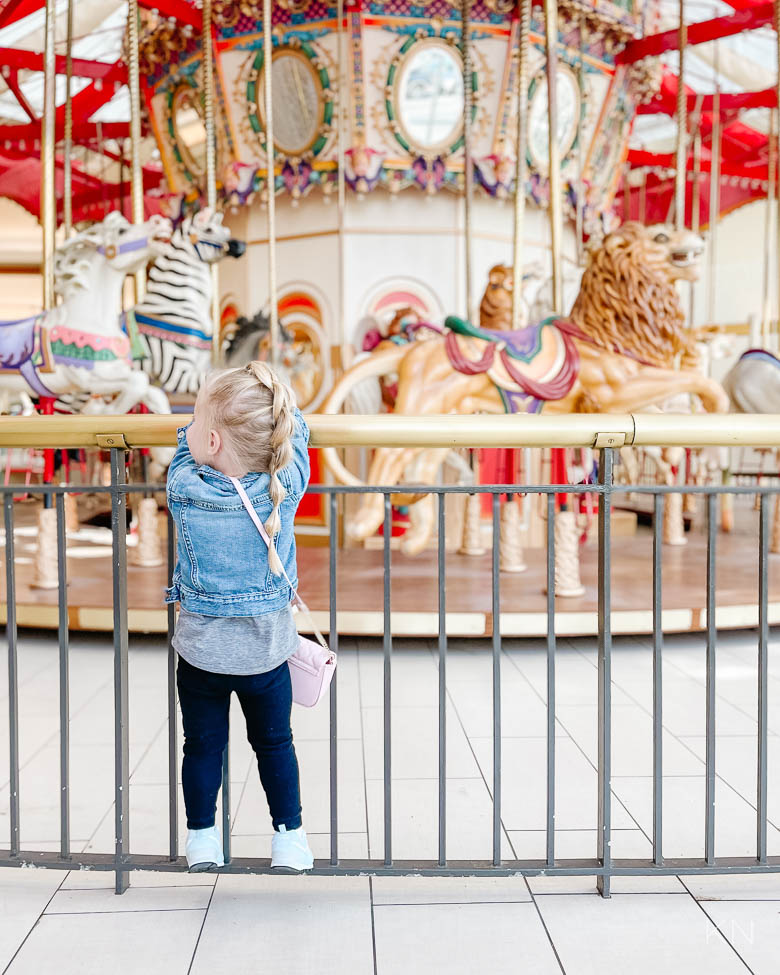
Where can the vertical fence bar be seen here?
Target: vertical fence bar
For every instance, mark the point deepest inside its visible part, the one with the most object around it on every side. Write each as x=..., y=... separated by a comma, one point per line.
x=13, y=674
x=550, y=679
x=173, y=754
x=62, y=632
x=387, y=646
x=496, y=682
x=763, y=677
x=226, y=803
x=442, y=552
x=658, y=642
x=121, y=732
x=333, y=638
x=709, y=812
x=605, y=670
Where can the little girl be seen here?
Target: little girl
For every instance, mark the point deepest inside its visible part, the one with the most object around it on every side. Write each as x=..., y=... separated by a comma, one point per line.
x=236, y=630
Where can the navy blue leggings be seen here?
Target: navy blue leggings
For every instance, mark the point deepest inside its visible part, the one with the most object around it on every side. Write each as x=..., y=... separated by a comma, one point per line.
x=266, y=700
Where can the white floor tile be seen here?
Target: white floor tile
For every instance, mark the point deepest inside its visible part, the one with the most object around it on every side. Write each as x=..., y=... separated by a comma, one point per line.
x=123, y=943
x=683, y=816
x=415, y=744
x=638, y=933
x=23, y=897
x=134, y=899
x=571, y=844
x=104, y=879
x=618, y=885
x=416, y=824
x=524, y=785
x=461, y=938
x=736, y=887
x=290, y=925
x=449, y=890
x=753, y=928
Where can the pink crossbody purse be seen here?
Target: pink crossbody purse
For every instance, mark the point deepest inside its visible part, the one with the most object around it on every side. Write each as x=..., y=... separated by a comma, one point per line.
x=313, y=664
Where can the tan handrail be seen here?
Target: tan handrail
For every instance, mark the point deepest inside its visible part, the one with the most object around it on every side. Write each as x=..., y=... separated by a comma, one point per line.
x=573, y=430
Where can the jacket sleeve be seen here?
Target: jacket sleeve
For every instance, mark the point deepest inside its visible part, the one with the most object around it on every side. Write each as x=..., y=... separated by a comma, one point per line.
x=182, y=459
x=299, y=468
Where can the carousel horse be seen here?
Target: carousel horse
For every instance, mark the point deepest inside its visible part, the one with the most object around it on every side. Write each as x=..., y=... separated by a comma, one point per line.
x=753, y=383
x=618, y=351
x=303, y=357
x=76, y=352
x=172, y=327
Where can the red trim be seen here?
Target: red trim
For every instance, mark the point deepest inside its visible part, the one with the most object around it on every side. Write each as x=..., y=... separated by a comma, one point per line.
x=23, y=60
x=701, y=33
x=13, y=10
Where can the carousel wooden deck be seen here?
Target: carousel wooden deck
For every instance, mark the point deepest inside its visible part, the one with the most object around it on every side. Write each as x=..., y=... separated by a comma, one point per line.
x=414, y=589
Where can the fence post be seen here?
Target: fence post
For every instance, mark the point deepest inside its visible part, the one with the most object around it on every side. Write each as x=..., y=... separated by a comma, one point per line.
x=605, y=670
x=121, y=733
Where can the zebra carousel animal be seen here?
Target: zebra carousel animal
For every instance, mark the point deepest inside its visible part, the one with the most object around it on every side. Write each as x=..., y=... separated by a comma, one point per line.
x=172, y=329
x=76, y=352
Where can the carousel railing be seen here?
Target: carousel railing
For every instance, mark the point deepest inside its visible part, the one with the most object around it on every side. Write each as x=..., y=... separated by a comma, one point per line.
x=605, y=432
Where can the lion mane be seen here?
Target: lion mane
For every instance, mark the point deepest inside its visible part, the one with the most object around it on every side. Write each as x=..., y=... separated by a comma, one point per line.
x=628, y=302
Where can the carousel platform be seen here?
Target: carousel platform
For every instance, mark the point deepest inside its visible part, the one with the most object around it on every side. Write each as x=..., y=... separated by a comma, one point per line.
x=414, y=589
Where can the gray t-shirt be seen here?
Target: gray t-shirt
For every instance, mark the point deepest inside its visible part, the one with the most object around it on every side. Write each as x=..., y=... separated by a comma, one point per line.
x=236, y=644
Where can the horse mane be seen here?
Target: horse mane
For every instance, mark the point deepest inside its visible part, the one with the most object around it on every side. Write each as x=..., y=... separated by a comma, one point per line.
x=245, y=328
x=73, y=257
x=628, y=304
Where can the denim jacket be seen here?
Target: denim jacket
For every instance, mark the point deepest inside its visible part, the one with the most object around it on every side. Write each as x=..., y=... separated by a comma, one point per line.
x=221, y=559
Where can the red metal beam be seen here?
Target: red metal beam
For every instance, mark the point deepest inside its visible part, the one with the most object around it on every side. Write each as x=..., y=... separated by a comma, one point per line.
x=12, y=80
x=707, y=30
x=83, y=132
x=13, y=10
x=21, y=60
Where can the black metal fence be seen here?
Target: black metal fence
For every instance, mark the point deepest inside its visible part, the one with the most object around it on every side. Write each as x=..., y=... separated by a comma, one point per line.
x=603, y=866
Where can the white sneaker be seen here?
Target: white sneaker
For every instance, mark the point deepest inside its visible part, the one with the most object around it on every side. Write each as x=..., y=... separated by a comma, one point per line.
x=204, y=849
x=290, y=851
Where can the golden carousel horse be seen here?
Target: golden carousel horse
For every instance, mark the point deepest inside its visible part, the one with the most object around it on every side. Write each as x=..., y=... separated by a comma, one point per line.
x=622, y=349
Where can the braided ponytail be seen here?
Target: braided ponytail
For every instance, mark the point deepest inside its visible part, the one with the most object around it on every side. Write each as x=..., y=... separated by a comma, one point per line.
x=256, y=412
x=282, y=407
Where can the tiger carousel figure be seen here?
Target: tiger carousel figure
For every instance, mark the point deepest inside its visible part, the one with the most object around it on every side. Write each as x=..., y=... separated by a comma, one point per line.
x=623, y=348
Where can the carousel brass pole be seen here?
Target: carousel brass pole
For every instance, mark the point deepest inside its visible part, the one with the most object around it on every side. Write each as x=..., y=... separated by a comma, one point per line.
x=714, y=203
x=777, y=39
x=766, y=309
x=555, y=210
x=48, y=198
x=682, y=122
x=273, y=311
x=520, y=162
x=468, y=185
x=211, y=162
x=580, y=213
x=341, y=185
x=67, y=169
x=136, y=173
x=695, y=215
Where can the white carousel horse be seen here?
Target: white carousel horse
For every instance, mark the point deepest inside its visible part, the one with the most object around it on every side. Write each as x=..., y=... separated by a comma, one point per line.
x=174, y=323
x=77, y=349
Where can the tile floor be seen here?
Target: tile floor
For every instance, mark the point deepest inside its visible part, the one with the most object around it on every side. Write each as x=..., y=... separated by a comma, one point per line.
x=171, y=923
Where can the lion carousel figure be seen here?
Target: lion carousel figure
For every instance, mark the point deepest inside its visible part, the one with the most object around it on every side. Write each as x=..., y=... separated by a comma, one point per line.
x=623, y=348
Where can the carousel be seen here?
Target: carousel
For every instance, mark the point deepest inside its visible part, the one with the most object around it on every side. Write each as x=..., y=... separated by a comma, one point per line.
x=443, y=207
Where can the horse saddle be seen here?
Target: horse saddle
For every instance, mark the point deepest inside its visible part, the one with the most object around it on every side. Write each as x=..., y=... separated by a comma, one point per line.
x=25, y=349
x=540, y=360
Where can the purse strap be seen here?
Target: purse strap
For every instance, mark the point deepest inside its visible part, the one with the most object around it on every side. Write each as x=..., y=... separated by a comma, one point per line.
x=264, y=535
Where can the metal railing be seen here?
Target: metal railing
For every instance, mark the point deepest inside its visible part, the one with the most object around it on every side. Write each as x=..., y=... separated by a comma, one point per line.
x=604, y=432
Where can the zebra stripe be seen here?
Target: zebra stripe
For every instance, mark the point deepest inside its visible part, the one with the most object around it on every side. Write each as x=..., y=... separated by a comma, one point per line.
x=178, y=292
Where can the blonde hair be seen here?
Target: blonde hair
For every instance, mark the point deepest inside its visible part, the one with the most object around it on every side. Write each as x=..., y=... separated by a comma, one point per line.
x=254, y=410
